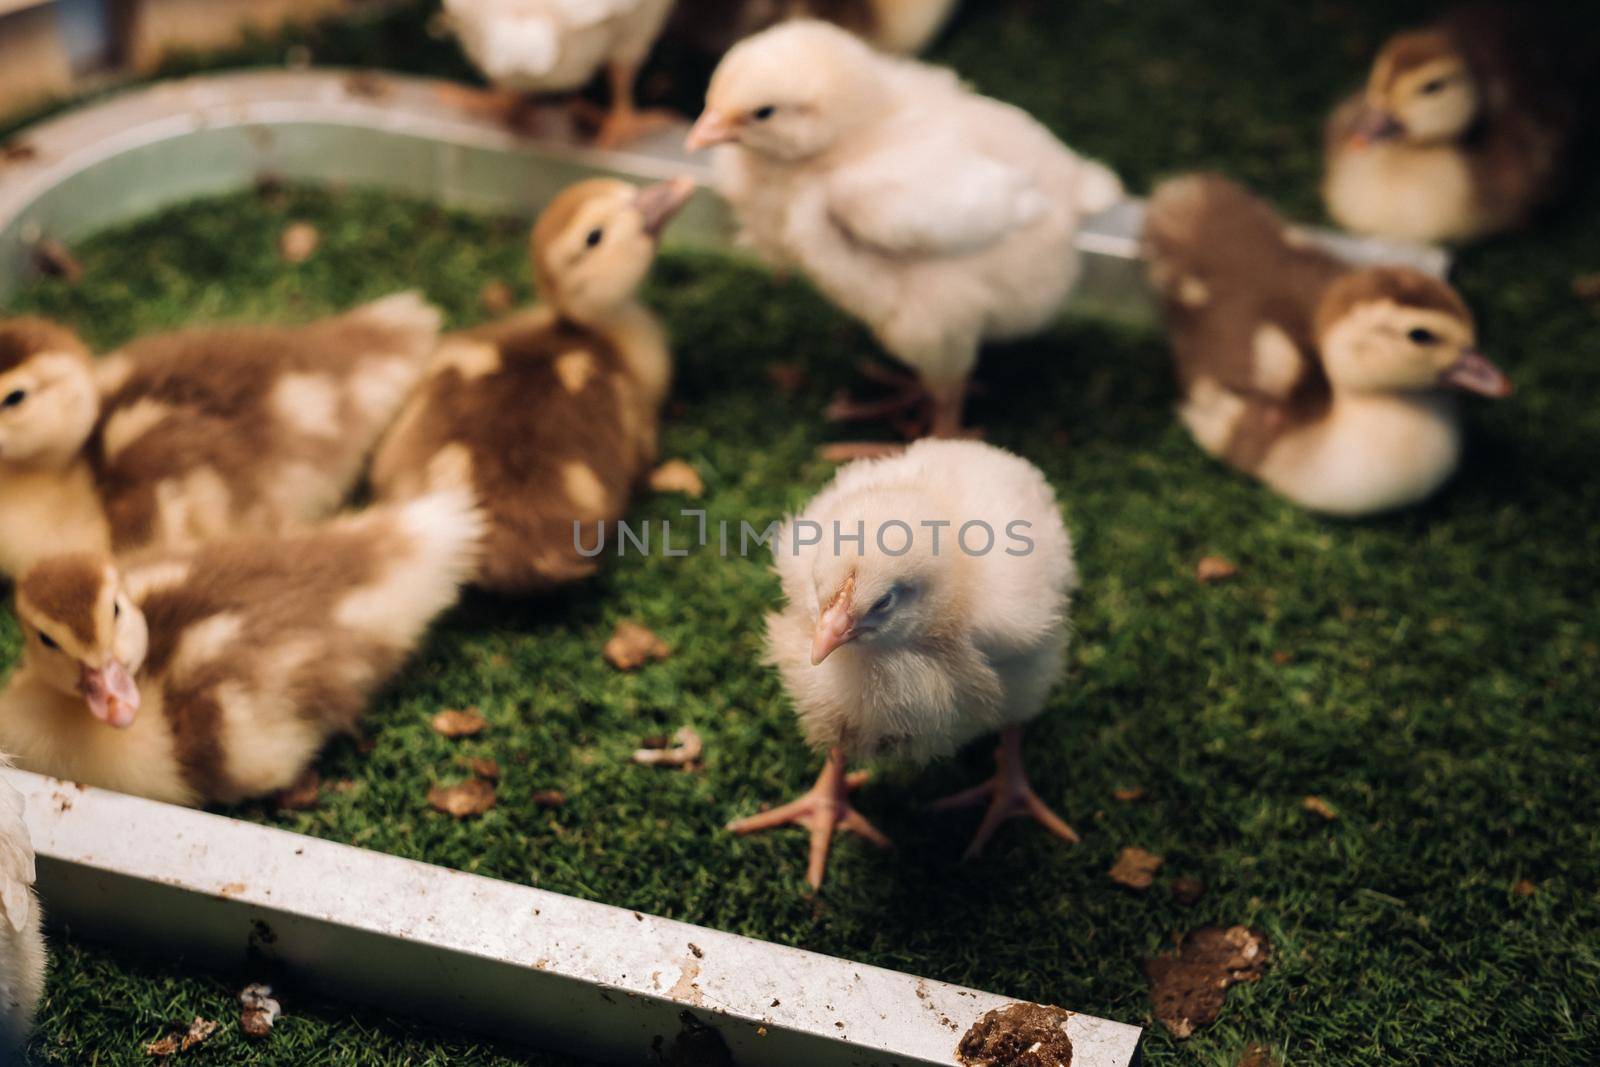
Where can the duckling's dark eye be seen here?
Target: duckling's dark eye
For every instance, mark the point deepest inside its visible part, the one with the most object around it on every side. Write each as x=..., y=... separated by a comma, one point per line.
x=1420, y=336
x=13, y=398
x=762, y=114
x=47, y=641
x=594, y=238
x=116, y=611
x=1435, y=85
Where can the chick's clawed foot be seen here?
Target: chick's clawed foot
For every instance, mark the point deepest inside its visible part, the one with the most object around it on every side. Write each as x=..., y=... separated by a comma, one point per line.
x=1009, y=795
x=822, y=810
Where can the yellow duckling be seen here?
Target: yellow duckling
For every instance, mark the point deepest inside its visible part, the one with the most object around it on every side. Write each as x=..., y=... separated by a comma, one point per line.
x=184, y=437
x=550, y=417
x=1331, y=384
x=1464, y=130
x=216, y=673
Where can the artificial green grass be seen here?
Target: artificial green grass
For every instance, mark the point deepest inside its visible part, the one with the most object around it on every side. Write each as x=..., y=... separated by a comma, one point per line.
x=1433, y=675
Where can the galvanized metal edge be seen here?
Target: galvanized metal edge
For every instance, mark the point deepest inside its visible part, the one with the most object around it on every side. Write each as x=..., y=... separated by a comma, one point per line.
x=156, y=146
x=478, y=953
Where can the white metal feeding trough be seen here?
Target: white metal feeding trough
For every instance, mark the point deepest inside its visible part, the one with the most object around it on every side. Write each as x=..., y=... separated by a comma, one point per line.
x=464, y=950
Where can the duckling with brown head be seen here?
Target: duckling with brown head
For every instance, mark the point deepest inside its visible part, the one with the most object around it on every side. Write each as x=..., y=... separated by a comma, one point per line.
x=1333, y=385
x=549, y=416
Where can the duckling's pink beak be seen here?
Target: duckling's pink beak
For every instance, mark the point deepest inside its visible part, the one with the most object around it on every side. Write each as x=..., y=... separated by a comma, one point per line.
x=111, y=693
x=660, y=203
x=1375, y=125
x=1474, y=373
x=836, y=627
x=711, y=129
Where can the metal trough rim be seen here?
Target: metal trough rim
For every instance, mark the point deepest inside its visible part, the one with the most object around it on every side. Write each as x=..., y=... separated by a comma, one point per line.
x=464, y=950
x=478, y=953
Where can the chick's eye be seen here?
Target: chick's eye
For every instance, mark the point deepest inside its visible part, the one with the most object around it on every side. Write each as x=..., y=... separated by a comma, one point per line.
x=47, y=641
x=762, y=114
x=1420, y=336
x=1435, y=85
x=594, y=238
x=13, y=398
x=882, y=604
x=116, y=611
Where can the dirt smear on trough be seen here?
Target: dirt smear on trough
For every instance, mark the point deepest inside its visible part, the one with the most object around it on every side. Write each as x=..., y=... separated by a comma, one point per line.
x=1018, y=1035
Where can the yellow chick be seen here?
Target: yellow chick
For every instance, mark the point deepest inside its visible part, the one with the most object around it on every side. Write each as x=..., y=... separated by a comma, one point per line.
x=939, y=218
x=904, y=27
x=550, y=417
x=1329, y=383
x=1463, y=130
x=556, y=46
x=215, y=674
x=184, y=437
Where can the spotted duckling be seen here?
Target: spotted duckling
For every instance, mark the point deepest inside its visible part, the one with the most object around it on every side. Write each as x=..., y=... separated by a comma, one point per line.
x=1464, y=129
x=549, y=416
x=216, y=673
x=184, y=437
x=1331, y=384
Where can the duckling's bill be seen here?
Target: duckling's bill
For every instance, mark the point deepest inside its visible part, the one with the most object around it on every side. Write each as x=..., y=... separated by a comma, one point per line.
x=660, y=203
x=110, y=692
x=1476, y=373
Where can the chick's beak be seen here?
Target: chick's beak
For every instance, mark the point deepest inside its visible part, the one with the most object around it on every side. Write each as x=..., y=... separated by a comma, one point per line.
x=1474, y=373
x=660, y=203
x=1375, y=125
x=111, y=693
x=836, y=627
x=713, y=128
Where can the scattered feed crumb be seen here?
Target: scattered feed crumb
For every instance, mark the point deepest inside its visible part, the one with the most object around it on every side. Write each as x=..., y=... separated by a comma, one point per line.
x=298, y=242
x=482, y=768
x=1524, y=888
x=684, y=752
x=453, y=723
x=1188, y=986
x=464, y=800
x=1186, y=890
x=632, y=646
x=1018, y=1035
x=1135, y=868
x=1319, y=807
x=677, y=476
x=1214, y=569
x=1129, y=794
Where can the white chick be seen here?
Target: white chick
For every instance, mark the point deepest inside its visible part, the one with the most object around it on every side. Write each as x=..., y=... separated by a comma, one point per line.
x=938, y=217
x=556, y=46
x=946, y=620
x=22, y=954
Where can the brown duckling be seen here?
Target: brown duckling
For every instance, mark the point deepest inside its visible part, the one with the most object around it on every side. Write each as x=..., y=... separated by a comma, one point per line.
x=549, y=416
x=183, y=437
x=216, y=673
x=1331, y=384
x=1463, y=130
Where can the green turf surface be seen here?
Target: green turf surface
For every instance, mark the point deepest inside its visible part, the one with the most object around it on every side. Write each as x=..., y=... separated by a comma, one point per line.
x=1433, y=675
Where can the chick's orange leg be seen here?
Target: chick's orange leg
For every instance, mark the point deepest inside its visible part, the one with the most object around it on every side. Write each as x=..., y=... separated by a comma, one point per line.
x=625, y=122
x=1008, y=794
x=822, y=810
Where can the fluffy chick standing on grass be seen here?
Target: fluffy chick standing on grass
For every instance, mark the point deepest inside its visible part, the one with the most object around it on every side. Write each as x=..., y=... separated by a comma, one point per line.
x=938, y=217
x=913, y=653
x=216, y=674
x=22, y=953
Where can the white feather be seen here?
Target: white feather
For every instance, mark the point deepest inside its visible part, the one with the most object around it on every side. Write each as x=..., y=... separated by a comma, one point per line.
x=22, y=952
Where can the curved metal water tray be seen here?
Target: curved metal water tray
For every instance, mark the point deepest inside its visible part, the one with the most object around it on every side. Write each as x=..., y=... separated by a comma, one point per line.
x=154, y=147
